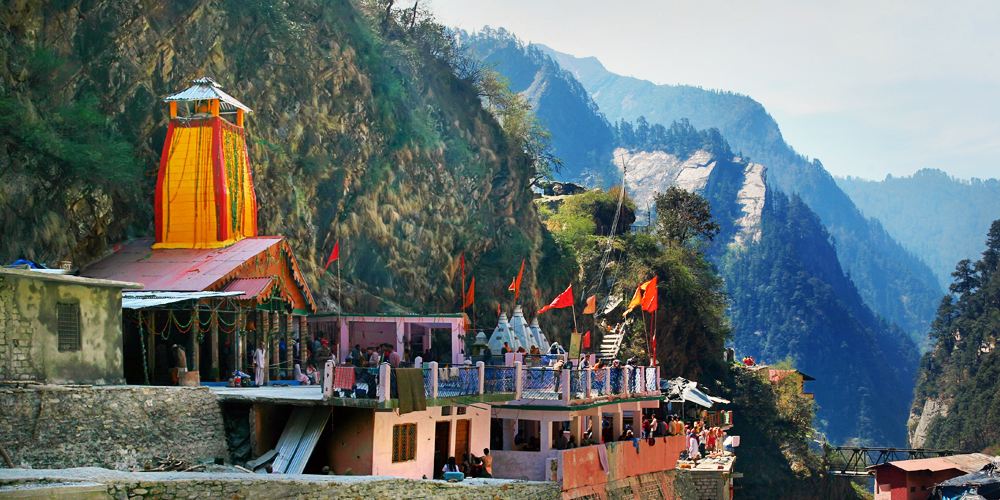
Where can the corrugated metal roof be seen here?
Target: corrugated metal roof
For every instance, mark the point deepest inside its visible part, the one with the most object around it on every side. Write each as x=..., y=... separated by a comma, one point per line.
x=187, y=269
x=177, y=269
x=205, y=88
x=67, y=279
x=251, y=287
x=967, y=463
x=144, y=299
x=777, y=375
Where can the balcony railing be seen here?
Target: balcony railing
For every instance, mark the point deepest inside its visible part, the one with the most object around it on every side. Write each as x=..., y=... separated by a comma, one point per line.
x=375, y=386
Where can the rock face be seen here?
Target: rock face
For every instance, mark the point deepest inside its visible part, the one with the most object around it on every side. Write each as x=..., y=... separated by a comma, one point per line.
x=651, y=172
x=359, y=133
x=920, y=424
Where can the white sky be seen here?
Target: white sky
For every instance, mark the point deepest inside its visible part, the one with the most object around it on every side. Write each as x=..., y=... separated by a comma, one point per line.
x=868, y=87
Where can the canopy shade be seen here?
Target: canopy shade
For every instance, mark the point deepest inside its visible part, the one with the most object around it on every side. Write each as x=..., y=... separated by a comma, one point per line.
x=144, y=299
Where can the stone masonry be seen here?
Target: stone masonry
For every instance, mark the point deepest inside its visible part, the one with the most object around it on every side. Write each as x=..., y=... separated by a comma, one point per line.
x=15, y=337
x=112, y=426
x=171, y=486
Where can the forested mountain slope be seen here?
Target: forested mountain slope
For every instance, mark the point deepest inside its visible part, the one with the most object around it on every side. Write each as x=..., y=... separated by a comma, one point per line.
x=894, y=282
x=581, y=135
x=957, y=403
x=362, y=132
x=938, y=217
x=788, y=295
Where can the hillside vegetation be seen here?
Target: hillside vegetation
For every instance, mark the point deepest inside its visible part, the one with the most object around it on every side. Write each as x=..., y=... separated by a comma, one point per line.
x=962, y=371
x=939, y=218
x=368, y=128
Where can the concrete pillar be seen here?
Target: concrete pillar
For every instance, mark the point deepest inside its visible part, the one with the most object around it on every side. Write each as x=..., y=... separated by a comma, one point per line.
x=434, y=378
x=213, y=339
x=518, y=381
x=607, y=380
x=383, y=382
x=617, y=421
x=596, y=427
x=564, y=384
x=627, y=377
x=637, y=419
x=345, y=339
x=545, y=435
x=508, y=433
x=482, y=376
x=587, y=383
x=328, y=369
x=418, y=362
x=576, y=428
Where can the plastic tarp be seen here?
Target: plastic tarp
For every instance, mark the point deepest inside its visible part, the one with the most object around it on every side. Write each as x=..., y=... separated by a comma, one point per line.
x=681, y=389
x=144, y=299
x=981, y=485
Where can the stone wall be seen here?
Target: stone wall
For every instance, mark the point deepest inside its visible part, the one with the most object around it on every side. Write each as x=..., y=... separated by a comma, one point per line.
x=114, y=427
x=15, y=337
x=168, y=486
x=710, y=485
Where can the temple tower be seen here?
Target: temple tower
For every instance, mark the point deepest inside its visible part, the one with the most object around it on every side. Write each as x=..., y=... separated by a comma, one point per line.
x=204, y=190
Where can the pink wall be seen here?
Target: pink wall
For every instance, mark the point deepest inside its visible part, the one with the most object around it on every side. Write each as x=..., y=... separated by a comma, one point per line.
x=581, y=467
x=351, y=440
x=382, y=464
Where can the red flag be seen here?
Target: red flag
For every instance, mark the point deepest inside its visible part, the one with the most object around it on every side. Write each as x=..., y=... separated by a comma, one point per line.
x=649, y=301
x=470, y=296
x=334, y=255
x=513, y=284
x=517, y=282
x=564, y=299
x=463, y=268
x=586, y=340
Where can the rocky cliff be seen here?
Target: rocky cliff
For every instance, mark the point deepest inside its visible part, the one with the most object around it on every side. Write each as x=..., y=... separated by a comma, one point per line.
x=362, y=132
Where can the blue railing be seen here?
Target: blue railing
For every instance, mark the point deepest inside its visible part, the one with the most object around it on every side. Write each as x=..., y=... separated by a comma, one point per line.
x=540, y=383
x=499, y=379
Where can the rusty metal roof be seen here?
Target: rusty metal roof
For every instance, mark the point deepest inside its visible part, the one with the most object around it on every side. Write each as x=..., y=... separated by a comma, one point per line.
x=251, y=287
x=966, y=463
x=177, y=269
x=189, y=270
x=205, y=88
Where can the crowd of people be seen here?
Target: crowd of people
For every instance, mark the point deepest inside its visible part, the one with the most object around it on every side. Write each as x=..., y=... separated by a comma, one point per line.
x=471, y=466
x=314, y=356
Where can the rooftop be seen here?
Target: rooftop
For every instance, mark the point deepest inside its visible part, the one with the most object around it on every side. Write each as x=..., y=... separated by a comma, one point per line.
x=67, y=279
x=968, y=463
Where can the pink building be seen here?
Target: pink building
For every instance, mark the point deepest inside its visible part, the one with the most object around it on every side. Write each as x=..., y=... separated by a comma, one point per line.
x=913, y=479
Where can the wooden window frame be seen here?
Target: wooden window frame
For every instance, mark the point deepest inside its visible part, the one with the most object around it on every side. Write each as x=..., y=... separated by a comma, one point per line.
x=404, y=443
x=68, y=326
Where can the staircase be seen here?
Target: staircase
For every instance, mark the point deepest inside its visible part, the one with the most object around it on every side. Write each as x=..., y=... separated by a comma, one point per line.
x=612, y=342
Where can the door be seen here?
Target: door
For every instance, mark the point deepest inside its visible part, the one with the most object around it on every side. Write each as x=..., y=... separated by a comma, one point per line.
x=442, y=438
x=461, y=440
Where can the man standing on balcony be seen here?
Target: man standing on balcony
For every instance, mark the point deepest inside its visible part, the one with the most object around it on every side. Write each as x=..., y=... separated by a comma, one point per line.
x=391, y=356
x=487, y=355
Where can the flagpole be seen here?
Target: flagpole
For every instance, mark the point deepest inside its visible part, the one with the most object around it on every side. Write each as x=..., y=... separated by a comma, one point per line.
x=574, y=318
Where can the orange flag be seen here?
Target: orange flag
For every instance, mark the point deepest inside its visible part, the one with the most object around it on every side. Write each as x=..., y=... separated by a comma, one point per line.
x=637, y=299
x=516, y=284
x=470, y=296
x=564, y=299
x=334, y=255
x=591, y=305
x=649, y=298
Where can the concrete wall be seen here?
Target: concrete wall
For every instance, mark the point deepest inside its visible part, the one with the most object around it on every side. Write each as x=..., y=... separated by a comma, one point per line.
x=28, y=332
x=350, y=444
x=479, y=438
x=580, y=468
x=112, y=427
x=530, y=465
x=158, y=485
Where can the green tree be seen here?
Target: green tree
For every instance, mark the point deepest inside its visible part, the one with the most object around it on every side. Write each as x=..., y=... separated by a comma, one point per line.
x=682, y=216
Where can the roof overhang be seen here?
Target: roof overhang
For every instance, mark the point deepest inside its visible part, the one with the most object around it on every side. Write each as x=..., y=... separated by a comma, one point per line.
x=147, y=299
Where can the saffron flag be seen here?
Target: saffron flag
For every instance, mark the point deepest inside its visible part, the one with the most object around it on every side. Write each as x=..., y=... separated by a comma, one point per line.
x=637, y=299
x=586, y=340
x=517, y=282
x=649, y=297
x=513, y=283
x=470, y=296
x=591, y=305
x=334, y=255
x=564, y=299
x=463, y=268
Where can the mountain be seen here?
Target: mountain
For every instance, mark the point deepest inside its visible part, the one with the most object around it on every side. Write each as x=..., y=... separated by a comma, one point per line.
x=363, y=131
x=892, y=280
x=789, y=296
x=582, y=137
x=938, y=217
x=957, y=403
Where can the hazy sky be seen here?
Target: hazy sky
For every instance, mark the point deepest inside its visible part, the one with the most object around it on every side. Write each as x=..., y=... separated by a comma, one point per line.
x=869, y=88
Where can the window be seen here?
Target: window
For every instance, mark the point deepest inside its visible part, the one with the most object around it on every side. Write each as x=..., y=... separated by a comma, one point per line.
x=460, y=410
x=445, y=411
x=404, y=442
x=68, y=326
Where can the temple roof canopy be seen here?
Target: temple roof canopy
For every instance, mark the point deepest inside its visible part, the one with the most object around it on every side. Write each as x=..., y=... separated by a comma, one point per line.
x=204, y=89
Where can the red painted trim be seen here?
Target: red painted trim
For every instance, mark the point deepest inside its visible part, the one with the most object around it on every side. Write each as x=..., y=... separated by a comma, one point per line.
x=253, y=193
x=160, y=179
x=223, y=221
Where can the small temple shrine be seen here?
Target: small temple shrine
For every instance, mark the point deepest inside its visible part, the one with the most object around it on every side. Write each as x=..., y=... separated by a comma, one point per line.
x=214, y=288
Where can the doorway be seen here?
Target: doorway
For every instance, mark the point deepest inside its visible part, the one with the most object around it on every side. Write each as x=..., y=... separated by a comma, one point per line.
x=461, y=439
x=442, y=438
